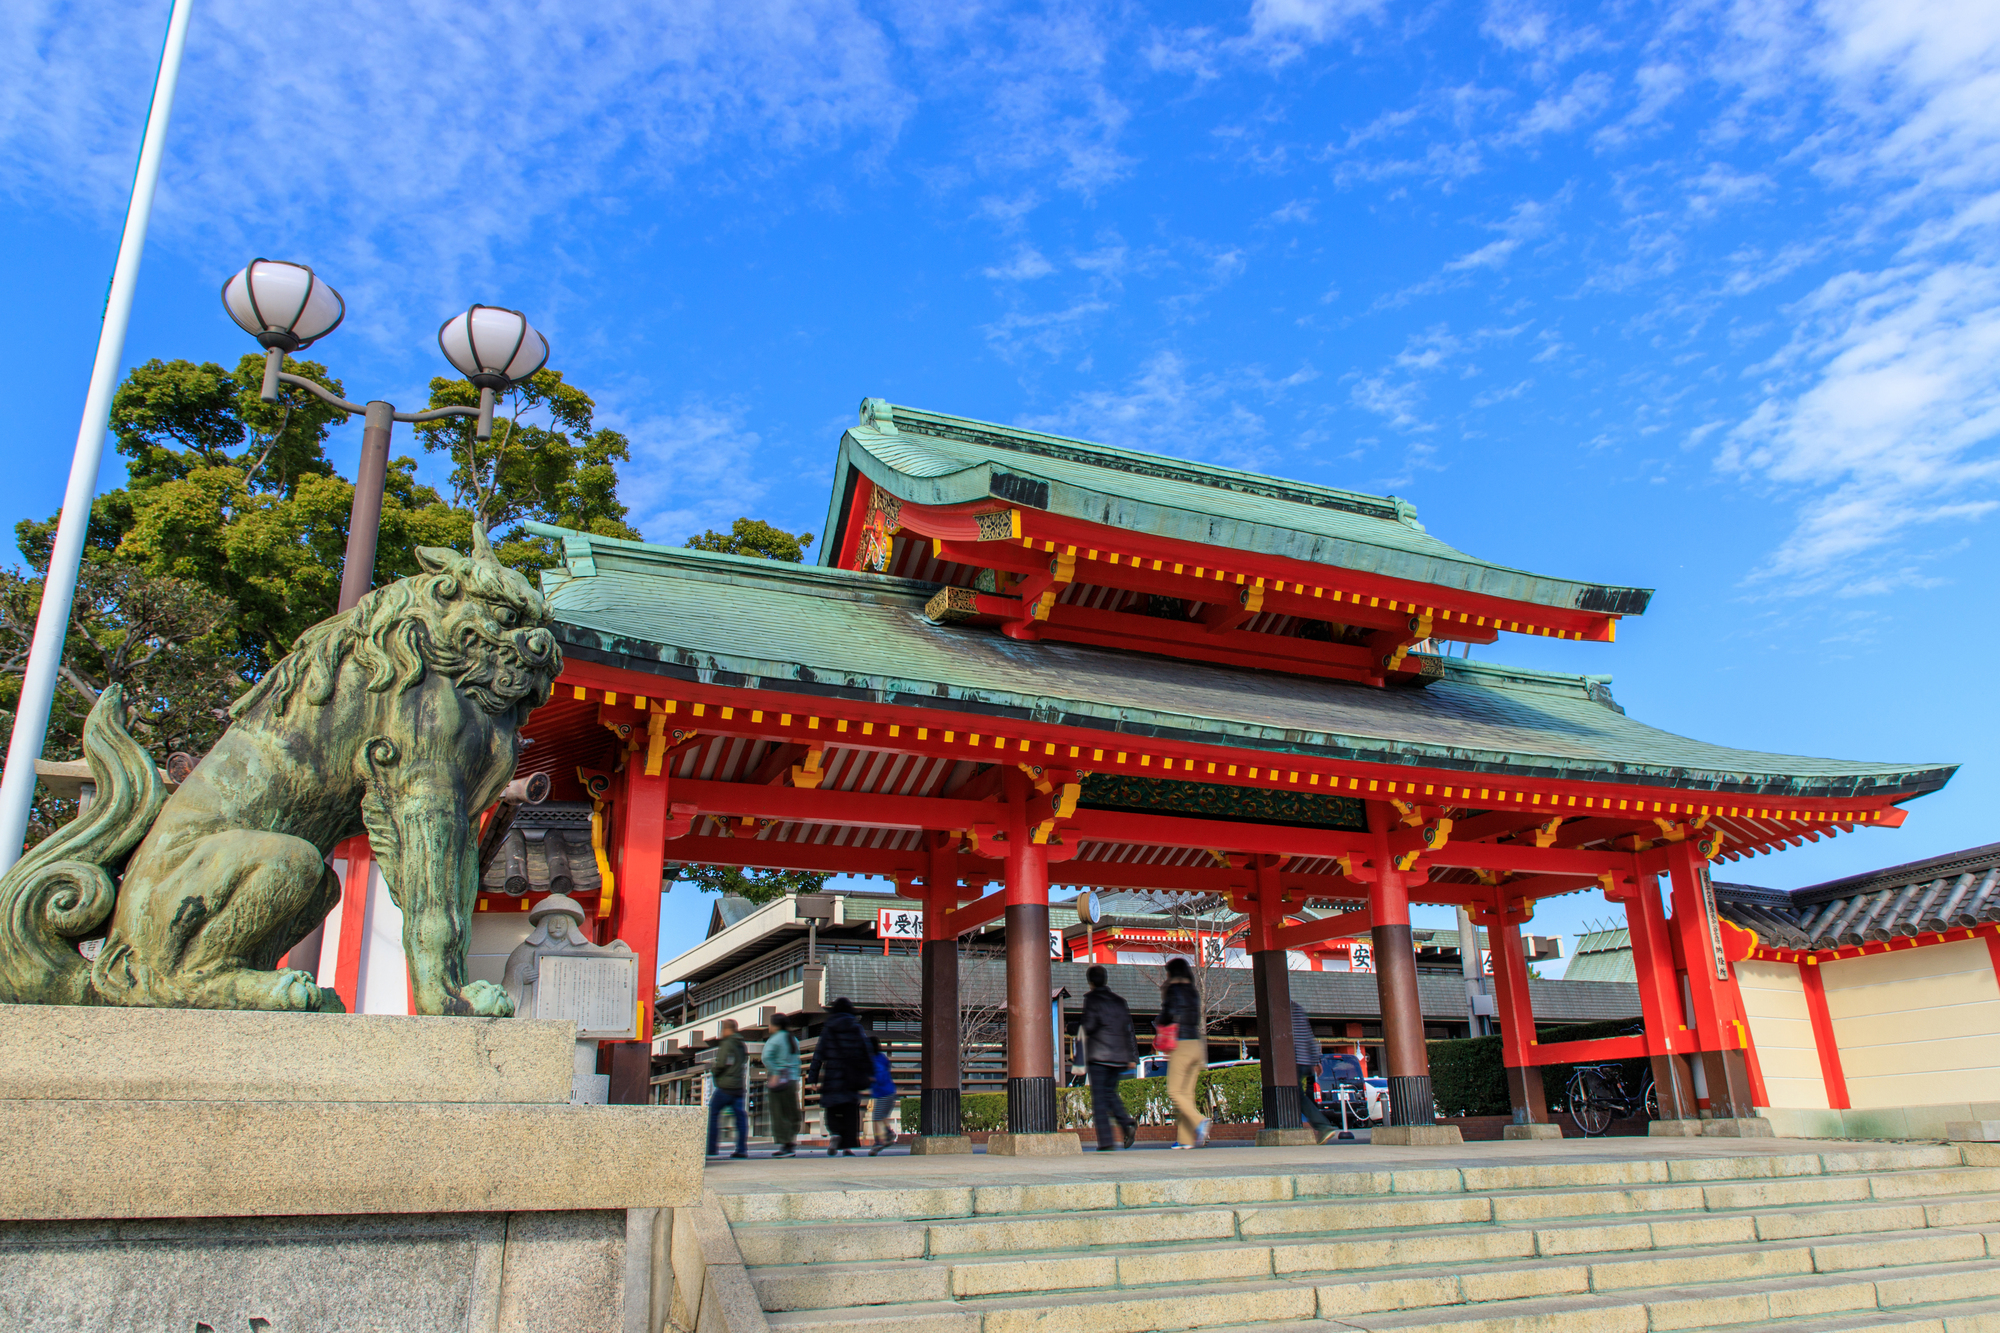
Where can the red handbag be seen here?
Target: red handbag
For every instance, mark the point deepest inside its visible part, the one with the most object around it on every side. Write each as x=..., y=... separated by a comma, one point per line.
x=1165, y=1037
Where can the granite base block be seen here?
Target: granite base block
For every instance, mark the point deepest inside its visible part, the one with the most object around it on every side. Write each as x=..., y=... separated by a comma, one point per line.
x=1744, y=1127
x=426, y=1273
x=1287, y=1138
x=1973, y=1131
x=934, y=1145
x=1674, y=1129
x=1531, y=1131
x=1033, y=1145
x=1417, y=1136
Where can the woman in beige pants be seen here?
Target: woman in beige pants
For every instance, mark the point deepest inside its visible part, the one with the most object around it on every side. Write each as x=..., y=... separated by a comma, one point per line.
x=1180, y=1005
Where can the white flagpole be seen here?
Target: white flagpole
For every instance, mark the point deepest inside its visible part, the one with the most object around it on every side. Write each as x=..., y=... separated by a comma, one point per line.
x=38, y=685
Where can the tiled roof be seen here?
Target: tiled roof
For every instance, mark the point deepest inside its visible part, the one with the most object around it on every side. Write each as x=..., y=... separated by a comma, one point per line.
x=1943, y=893
x=761, y=624
x=934, y=459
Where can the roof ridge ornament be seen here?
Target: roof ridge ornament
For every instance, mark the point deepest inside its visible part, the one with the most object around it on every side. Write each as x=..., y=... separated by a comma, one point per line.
x=878, y=414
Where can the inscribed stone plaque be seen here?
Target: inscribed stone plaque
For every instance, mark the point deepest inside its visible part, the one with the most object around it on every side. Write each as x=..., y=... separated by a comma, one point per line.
x=601, y=995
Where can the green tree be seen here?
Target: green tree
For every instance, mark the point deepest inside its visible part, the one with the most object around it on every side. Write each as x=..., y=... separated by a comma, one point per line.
x=759, y=886
x=170, y=643
x=557, y=470
x=750, y=536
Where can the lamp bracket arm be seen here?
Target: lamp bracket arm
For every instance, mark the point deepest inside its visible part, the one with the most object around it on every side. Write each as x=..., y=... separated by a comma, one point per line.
x=313, y=387
x=436, y=413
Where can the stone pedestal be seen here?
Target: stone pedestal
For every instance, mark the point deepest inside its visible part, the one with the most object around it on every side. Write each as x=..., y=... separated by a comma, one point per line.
x=1531, y=1131
x=931, y=1145
x=1417, y=1136
x=1675, y=1129
x=1736, y=1127
x=1033, y=1145
x=315, y=1170
x=1287, y=1138
x=1973, y=1131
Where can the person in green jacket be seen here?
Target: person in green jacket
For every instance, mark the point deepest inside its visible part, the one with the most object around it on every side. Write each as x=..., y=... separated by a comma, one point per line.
x=781, y=1091
x=732, y=1062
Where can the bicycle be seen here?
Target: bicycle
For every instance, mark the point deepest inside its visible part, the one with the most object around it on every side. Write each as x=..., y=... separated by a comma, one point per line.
x=1598, y=1096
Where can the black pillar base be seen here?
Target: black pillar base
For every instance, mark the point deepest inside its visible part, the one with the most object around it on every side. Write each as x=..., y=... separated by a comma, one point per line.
x=1281, y=1107
x=1031, y=1105
x=937, y=1114
x=1410, y=1100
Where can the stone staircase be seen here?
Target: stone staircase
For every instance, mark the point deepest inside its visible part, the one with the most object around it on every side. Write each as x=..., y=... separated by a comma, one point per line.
x=1889, y=1237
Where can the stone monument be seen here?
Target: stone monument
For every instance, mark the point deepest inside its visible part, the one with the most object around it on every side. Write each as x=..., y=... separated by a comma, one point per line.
x=558, y=975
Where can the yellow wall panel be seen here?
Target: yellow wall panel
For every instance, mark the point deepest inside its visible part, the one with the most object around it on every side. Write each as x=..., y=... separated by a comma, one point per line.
x=1917, y=1026
x=1774, y=998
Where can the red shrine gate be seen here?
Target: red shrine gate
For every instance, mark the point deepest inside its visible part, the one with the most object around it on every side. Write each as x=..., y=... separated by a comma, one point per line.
x=1047, y=663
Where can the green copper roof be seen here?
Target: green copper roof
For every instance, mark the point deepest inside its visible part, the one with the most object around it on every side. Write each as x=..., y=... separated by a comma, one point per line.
x=741, y=621
x=928, y=458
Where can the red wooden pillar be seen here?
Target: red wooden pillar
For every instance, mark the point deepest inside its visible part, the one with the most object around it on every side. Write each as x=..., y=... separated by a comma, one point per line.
x=1709, y=987
x=938, y=1114
x=1668, y=1040
x=1517, y=1012
x=1410, y=1101
x=1031, y=1083
x=640, y=827
x=1830, y=1070
x=1272, y=984
x=360, y=856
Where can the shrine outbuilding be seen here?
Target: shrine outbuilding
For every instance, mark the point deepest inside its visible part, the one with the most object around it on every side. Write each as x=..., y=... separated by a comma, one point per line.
x=1029, y=666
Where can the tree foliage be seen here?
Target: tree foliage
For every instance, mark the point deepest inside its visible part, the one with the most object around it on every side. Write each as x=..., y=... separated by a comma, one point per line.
x=759, y=886
x=171, y=644
x=750, y=536
x=562, y=472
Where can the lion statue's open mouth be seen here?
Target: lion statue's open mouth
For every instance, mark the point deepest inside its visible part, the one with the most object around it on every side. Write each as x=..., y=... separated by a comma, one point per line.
x=399, y=717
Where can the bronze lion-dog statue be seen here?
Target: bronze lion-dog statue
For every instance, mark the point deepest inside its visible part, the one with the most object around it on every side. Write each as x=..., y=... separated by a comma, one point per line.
x=400, y=717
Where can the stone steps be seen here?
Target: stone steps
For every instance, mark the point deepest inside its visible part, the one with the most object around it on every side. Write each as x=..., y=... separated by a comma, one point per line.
x=828, y=1286
x=1874, y=1238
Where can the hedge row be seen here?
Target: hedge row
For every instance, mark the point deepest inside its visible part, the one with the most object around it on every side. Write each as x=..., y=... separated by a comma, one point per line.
x=1468, y=1079
x=1230, y=1096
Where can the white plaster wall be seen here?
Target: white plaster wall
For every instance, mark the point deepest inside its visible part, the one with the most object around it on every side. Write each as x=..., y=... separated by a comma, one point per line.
x=385, y=975
x=1917, y=1026
x=1774, y=999
x=494, y=936
x=329, y=941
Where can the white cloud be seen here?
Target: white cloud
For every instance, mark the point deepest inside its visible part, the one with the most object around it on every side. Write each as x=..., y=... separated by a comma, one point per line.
x=693, y=469
x=1028, y=263
x=1168, y=408
x=403, y=145
x=1306, y=20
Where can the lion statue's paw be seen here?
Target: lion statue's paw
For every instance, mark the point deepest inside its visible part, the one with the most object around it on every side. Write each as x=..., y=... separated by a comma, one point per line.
x=488, y=1000
x=298, y=990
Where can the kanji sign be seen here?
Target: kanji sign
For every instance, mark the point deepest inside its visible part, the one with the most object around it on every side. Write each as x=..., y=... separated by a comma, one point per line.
x=898, y=923
x=1362, y=959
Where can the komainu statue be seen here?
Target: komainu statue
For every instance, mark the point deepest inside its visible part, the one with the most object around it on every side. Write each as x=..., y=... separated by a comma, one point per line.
x=400, y=717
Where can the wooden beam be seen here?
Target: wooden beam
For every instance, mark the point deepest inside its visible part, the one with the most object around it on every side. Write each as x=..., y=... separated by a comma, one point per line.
x=777, y=766
x=1586, y=1052
x=1326, y=928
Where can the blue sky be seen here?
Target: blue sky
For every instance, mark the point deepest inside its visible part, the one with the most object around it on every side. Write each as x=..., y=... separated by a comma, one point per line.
x=1703, y=297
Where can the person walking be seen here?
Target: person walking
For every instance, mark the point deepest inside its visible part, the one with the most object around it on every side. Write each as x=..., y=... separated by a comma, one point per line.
x=1180, y=1006
x=843, y=1065
x=1109, y=1049
x=732, y=1061
x=1305, y=1049
x=781, y=1090
x=883, y=1090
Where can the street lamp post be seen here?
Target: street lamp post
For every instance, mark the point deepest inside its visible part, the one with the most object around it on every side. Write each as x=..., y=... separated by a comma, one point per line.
x=287, y=307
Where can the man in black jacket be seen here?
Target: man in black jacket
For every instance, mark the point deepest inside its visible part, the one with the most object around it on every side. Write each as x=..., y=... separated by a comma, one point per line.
x=1109, y=1049
x=843, y=1065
